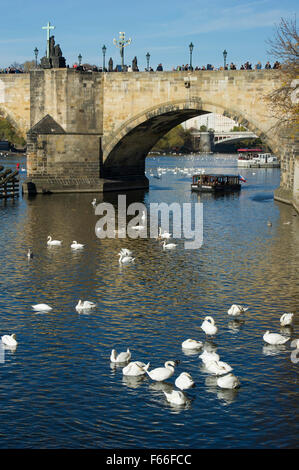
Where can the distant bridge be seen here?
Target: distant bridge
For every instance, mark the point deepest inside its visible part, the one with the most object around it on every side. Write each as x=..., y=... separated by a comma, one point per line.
x=205, y=141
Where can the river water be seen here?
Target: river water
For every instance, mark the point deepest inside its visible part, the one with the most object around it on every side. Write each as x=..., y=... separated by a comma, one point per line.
x=58, y=388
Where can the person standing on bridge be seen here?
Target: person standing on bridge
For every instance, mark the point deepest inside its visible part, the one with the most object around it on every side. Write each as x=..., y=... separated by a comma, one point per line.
x=160, y=68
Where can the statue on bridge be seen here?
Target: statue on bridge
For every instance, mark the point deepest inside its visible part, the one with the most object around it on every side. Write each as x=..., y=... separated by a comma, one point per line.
x=55, y=59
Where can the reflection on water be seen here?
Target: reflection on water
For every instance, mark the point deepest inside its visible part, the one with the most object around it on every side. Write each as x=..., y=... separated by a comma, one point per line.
x=61, y=371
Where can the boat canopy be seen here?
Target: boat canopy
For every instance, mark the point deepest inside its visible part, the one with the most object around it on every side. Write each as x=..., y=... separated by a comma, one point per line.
x=250, y=150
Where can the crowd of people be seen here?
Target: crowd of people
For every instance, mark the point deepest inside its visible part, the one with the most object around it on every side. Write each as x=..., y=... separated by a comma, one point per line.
x=11, y=70
x=231, y=66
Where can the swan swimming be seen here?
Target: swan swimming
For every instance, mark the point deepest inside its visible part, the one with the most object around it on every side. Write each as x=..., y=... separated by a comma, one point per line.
x=176, y=397
x=191, y=344
x=228, y=381
x=53, y=242
x=236, y=310
x=29, y=254
x=286, y=319
x=274, y=338
x=121, y=357
x=125, y=259
x=218, y=367
x=134, y=369
x=161, y=373
x=9, y=340
x=42, y=308
x=82, y=305
x=166, y=235
x=168, y=246
x=184, y=381
x=208, y=326
x=94, y=202
x=126, y=252
x=209, y=356
x=76, y=245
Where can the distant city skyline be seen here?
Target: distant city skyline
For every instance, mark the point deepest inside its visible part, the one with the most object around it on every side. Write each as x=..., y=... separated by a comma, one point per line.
x=164, y=29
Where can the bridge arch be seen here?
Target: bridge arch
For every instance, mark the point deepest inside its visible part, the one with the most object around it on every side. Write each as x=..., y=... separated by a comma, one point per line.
x=124, y=151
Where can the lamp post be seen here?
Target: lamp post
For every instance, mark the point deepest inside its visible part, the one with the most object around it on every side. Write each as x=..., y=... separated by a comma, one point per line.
x=121, y=44
x=191, y=49
x=147, y=60
x=104, y=48
x=224, y=57
x=36, y=54
x=79, y=59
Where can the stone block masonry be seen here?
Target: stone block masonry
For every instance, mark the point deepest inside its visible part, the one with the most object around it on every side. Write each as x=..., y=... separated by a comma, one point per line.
x=92, y=131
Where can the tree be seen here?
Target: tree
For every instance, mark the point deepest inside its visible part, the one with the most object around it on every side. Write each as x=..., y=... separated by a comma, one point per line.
x=284, y=101
x=176, y=139
x=239, y=129
x=29, y=65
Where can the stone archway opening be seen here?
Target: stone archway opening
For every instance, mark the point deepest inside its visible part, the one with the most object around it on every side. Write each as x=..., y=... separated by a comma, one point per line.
x=126, y=154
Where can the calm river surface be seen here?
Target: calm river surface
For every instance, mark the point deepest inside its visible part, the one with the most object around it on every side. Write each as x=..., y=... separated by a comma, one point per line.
x=58, y=388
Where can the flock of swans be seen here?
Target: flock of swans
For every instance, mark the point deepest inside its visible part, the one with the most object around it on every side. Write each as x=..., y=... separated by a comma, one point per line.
x=212, y=364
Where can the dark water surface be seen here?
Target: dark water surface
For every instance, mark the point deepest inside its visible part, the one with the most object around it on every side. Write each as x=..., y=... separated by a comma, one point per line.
x=58, y=388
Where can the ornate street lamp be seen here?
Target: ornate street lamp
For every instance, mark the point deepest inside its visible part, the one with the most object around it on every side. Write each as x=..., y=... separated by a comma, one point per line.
x=36, y=54
x=224, y=57
x=104, y=48
x=79, y=59
x=121, y=44
x=191, y=49
x=147, y=60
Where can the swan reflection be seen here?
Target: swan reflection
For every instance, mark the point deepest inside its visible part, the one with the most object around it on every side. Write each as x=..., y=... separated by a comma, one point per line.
x=133, y=382
x=235, y=325
x=273, y=349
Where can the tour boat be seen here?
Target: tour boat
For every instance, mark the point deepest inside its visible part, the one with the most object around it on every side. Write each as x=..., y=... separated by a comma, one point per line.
x=255, y=158
x=216, y=183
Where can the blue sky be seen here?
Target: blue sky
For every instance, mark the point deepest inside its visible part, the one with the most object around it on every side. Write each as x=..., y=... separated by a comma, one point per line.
x=164, y=28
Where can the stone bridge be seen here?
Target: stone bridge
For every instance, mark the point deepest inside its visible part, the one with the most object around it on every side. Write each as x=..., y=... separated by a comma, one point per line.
x=91, y=131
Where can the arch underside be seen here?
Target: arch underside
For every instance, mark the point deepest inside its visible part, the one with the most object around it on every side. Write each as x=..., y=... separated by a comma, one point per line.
x=128, y=148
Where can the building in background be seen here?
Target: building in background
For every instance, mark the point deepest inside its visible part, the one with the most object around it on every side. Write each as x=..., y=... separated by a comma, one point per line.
x=214, y=121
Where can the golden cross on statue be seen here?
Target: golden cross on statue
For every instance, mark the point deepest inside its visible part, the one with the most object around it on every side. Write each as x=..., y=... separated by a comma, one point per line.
x=48, y=28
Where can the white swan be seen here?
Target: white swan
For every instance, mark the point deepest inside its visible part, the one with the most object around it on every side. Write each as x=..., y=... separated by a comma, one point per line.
x=274, y=338
x=126, y=252
x=286, y=319
x=76, y=246
x=166, y=235
x=29, y=254
x=208, y=326
x=42, y=308
x=168, y=246
x=209, y=356
x=228, y=381
x=9, y=340
x=161, y=373
x=191, y=344
x=184, y=381
x=94, y=202
x=218, y=367
x=236, y=310
x=124, y=259
x=134, y=369
x=53, y=242
x=121, y=357
x=176, y=397
x=86, y=304
x=295, y=343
